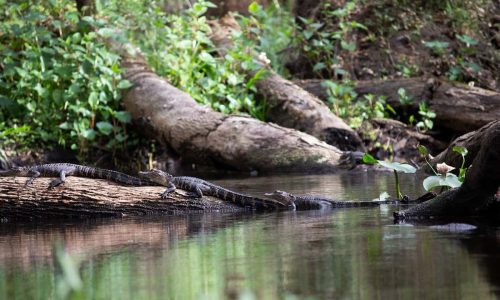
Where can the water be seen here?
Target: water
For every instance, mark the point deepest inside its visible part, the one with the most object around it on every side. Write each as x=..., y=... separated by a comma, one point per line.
x=344, y=254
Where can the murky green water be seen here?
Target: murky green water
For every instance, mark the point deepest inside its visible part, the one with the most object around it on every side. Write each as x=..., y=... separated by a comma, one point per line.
x=342, y=254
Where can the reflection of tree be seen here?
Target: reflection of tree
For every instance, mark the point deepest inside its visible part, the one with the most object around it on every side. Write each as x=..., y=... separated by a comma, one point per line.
x=486, y=248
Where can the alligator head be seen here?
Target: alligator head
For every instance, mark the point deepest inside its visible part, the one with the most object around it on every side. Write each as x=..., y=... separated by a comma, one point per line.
x=15, y=171
x=280, y=196
x=157, y=176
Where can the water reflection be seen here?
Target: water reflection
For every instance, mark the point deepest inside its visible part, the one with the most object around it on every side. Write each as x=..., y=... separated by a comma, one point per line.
x=343, y=254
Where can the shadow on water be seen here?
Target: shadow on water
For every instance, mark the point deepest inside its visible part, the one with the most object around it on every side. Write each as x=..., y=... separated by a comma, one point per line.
x=342, y=254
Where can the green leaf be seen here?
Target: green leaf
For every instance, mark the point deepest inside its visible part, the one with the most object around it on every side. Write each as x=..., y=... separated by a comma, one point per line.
x=422, y=150
x=123, y=116
x=106, y=32
x=105, y=127
x=467, y=40
x=254, y=8
x=450, y=180
x=319, y=66
x=349, y=46
x=431, y=182
x=368, y=159
x=460, y=150
x=405, y=168
x=93, y=99
x=124, y=84
x=65, y=125
x=436, y=44
x=89, y=134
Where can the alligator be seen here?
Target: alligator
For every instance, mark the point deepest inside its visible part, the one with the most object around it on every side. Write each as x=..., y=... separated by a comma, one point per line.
x=307, y=202
x=198, y=187
x=62, y=170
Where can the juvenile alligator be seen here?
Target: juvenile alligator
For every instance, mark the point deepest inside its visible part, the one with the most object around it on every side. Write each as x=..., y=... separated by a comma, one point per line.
x=62, y=170
x=199, y=187
x=308, y=202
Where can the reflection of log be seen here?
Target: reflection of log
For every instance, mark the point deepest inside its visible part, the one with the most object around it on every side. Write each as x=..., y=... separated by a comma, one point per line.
x=207, y=137
x=24, y=242
x=289, y=105
x=459, y=108
x=80, y=197
x=480, y=185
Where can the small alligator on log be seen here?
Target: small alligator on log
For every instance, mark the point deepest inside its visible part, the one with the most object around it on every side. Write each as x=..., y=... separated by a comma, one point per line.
x=307, y=202
x=199, y=187
x=62, y=170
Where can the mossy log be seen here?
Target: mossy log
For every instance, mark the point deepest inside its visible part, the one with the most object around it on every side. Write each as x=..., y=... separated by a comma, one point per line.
x=479, y=188
x=204, y=136
x=459, y=107
x=290, y=105
x=84, y=197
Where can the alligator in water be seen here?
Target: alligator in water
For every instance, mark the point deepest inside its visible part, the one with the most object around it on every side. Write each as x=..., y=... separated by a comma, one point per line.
x=308, y=202
x=62, y=170
x=199, y=187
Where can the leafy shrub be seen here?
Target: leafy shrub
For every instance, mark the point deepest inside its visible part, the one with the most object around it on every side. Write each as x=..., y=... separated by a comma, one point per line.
x=178, y=47
x=58, y=82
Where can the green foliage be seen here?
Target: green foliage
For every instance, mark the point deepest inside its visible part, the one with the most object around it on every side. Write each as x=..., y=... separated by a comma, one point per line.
x=178, y=47
x=394, y=166
x=270, y=30
x=323, y=42
x=438, y=48
x=346, y=104
x=427, y=116
x=58, y=83
x=68, y=282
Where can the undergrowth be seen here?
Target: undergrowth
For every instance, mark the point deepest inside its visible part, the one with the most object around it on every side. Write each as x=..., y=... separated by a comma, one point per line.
x=58, y=82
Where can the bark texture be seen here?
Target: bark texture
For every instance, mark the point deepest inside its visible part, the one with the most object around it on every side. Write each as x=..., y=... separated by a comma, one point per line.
x=290, y=105
x=203, y=136
x=472, y=141
x=459, y=108
x=84, y=197
x=479, y=188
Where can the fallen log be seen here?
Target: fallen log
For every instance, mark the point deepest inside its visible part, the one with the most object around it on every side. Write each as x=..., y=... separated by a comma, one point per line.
x=84, y=197
x=459, y=107
x=290, y=105
x=204, y=136
x=479, y=188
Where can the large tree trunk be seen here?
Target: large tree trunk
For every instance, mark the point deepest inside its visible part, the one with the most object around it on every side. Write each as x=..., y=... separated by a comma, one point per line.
x=472, y=141
x=203, y=136
x=479, y=188
x=84, y=197
x=459, y=108
x=291, y=106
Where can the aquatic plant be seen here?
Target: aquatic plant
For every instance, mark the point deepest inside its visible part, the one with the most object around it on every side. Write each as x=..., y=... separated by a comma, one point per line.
x=442, y=174
x=394, y=166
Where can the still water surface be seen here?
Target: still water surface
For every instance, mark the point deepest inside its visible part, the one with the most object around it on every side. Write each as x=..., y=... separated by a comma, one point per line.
x=343, y=254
